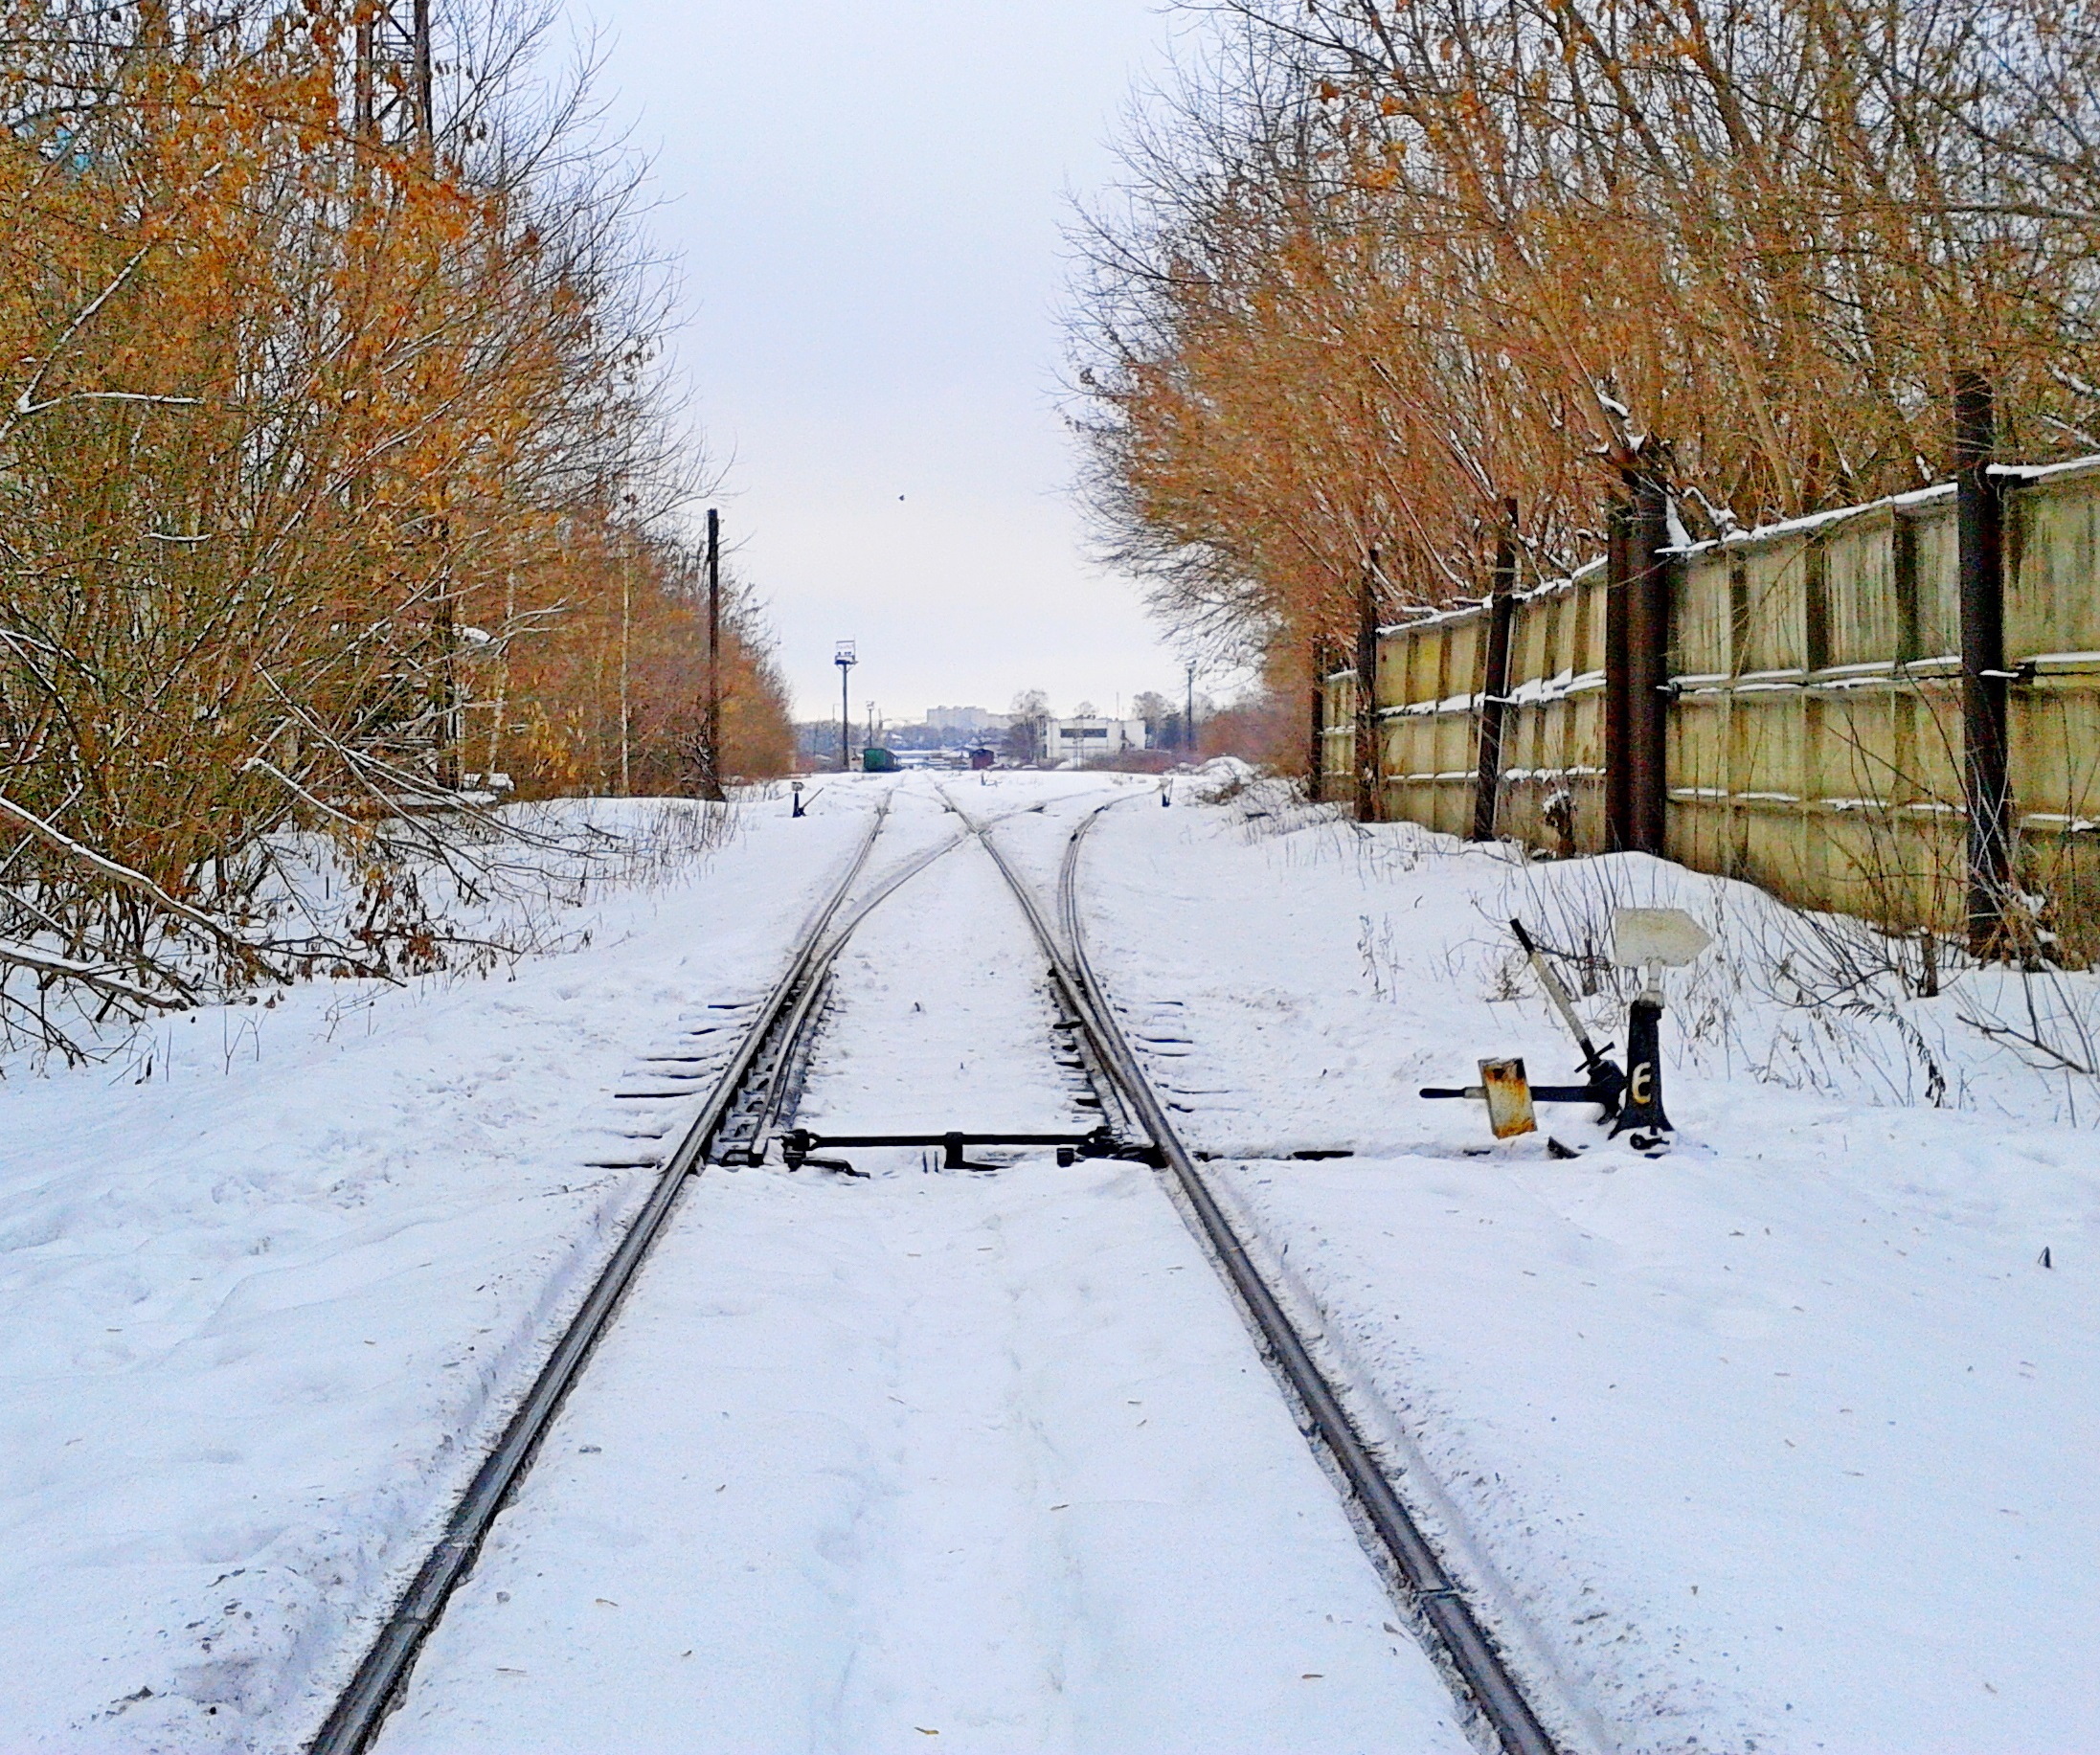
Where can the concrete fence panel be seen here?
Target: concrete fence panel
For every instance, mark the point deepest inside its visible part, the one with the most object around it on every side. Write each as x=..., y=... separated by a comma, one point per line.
x=1815, y=723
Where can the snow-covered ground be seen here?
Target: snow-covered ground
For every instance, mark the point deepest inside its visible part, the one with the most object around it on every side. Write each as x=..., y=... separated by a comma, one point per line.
x=1777, y=1442
x=259, y=1309
x=984, y=1458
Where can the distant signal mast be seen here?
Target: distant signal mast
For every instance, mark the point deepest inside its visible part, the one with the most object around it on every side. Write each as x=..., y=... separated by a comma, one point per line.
x=393, y=96
x=392, y=104
x=845, y=658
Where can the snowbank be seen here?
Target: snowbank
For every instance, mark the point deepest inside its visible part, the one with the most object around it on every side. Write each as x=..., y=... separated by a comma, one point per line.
x=270, y=1279
x=1777, y=1442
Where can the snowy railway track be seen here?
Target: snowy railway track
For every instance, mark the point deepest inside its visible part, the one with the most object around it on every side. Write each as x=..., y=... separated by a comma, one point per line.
x=1470, y=1658
x=743, y=1122
x=374, y=1688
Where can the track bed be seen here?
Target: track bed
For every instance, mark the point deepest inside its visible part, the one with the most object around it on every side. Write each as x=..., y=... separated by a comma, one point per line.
x=982, y=1456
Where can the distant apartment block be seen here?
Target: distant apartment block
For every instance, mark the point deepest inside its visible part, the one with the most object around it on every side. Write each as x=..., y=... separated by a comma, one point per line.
x=966, y=719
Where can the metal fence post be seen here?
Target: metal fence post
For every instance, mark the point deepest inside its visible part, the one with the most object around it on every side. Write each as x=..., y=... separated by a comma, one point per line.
x=1368, y=761
x=1501, y=615
x=1980, y=523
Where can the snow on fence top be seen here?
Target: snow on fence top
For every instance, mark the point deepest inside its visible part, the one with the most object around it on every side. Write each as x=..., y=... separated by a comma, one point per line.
x=1814, y=739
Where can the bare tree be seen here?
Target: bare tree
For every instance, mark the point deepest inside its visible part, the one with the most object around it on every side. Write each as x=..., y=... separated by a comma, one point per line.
x=1027, y=737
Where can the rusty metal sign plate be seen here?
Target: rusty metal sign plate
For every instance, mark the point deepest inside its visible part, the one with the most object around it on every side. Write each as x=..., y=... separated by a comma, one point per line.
x=1508, y=1093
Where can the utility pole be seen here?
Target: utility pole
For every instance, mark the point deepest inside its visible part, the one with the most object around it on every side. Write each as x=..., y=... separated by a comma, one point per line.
x=1619, y=709
x=627, y=615
x=1189, y=714
x=1370, y=759
x=711, y=729
x=392, y=104
x=1648, y=658
x=1502, y=616
x=845, y=658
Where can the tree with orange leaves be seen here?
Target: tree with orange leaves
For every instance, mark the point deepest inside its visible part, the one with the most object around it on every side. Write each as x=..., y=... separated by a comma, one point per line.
x=290, y=407
x=1383, y=267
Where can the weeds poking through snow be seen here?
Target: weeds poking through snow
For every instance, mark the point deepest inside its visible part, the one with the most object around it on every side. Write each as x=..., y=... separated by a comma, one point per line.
x=1267, y=808
x=388, y=908
x=1811, y=1000
x=1807, y=1000
x=1381, y=952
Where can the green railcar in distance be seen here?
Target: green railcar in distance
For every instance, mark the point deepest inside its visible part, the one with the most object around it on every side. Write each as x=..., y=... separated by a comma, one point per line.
x=878, y=761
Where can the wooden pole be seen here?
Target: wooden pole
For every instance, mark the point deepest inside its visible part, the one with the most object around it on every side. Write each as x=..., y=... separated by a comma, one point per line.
x=1318, y=749
x=627, y=614
x=1980, y=526
x=1367, y=692
x=1502, y=616
x=711, y=730
x=1618, y=773
x=1648, y=662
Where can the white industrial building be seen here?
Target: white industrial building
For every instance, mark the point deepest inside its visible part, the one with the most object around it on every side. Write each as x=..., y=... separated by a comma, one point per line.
x=1079, y=740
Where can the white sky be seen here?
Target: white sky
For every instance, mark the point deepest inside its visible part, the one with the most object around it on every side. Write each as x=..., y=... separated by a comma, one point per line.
x=866, y=200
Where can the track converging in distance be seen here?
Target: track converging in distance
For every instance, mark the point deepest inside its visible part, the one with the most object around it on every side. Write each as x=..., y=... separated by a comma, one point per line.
x=749, y=1119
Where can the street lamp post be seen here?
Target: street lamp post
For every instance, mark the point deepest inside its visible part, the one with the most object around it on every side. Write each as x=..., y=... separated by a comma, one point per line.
x=845, y=658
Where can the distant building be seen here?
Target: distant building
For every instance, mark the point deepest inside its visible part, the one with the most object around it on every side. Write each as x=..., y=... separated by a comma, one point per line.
x=966, y=719
x=1079, y=740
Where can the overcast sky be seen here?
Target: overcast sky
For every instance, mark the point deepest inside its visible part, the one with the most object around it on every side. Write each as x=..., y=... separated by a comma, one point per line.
x=867, y=199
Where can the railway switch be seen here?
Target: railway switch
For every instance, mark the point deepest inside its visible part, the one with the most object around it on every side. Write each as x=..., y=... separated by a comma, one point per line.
x=800, y=1146
x=1651, y=940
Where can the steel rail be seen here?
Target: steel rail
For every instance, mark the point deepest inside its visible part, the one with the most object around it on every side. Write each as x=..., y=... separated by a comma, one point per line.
x=1430, y=1591
x=789, y=1030
x=788, y=1010
x=363, y=1703
x=785, y=1013
x=789, y=1025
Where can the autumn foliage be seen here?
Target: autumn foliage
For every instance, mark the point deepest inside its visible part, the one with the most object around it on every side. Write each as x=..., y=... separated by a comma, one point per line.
x=603, y=690
x=336, y=467
x=1380, y=267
